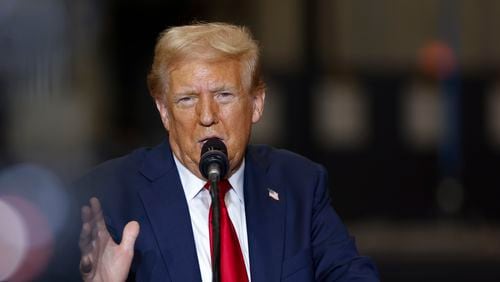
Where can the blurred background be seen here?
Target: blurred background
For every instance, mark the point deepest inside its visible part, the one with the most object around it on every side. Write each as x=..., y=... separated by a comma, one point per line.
x=400, y=100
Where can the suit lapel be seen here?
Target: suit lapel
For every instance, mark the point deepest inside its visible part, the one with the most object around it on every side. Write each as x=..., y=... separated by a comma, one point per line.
x=265, y=220
x=167, y=210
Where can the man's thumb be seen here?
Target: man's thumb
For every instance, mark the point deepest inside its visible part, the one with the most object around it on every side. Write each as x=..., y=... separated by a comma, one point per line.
x=129, y=235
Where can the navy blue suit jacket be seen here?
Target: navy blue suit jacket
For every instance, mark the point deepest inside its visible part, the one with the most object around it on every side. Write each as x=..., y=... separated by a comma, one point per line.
x=297, y=238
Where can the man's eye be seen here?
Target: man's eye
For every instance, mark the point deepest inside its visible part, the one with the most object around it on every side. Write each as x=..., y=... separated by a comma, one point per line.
x=185, y=101
x=225, y=97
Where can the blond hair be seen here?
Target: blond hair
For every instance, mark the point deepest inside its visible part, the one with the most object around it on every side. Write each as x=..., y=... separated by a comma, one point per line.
x=210, y=41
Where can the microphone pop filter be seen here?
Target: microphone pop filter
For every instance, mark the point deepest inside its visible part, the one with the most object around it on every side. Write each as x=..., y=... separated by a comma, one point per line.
x=214, y=152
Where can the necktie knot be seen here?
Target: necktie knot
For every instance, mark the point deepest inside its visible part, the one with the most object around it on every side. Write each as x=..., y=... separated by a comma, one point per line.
x=224, y=186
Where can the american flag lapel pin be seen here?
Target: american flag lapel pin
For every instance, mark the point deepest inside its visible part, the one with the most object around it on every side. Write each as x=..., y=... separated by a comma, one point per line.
x=273, y=194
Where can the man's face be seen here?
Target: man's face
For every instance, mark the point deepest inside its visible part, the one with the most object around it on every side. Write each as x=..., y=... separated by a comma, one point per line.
x=208, y=99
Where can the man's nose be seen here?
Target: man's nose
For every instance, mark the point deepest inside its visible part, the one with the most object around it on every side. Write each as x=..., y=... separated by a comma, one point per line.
x=207, y=110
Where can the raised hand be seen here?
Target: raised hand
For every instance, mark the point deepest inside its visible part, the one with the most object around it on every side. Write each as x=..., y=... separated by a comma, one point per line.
x=103, y=260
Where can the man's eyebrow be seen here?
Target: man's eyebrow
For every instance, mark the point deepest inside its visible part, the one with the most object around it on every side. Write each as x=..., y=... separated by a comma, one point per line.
x=222, y=88
x=185, y=92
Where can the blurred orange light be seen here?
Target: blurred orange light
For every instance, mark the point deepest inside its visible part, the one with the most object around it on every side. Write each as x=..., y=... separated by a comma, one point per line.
x=437, y=60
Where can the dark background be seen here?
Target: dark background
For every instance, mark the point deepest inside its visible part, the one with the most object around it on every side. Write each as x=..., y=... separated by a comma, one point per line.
x=420, y=199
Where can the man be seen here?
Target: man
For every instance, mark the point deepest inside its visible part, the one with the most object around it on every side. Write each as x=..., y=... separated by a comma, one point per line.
x=206, y=83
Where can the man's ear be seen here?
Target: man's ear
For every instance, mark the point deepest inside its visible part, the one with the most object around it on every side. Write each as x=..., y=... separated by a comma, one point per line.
x=161, y=105
x=258, y=100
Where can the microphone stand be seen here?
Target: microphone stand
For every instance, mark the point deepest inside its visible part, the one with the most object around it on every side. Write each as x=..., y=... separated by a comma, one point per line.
x=214, y=194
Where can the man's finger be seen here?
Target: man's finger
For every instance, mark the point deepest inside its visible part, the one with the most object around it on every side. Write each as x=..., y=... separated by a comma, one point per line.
x=130, y=233
x=95, y=206
x=86, y=214
x=85, y=265
x=97, y=215
x=85, y=237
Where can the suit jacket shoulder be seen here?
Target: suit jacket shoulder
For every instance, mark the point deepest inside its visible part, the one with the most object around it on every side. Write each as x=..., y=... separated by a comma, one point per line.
x=117, y=182
x=281, y=161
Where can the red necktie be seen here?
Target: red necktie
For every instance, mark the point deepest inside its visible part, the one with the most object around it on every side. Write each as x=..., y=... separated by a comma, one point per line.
x=232, y=265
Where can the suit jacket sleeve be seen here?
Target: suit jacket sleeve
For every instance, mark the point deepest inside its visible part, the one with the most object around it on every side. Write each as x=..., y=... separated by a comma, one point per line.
x=334, y=252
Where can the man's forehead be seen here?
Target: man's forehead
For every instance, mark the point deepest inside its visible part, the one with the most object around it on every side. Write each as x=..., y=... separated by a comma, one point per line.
x=204, y=61
x=210, y=75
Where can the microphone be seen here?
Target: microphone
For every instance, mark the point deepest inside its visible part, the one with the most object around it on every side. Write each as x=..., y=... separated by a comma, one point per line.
x=213, y=166
x=213, y=161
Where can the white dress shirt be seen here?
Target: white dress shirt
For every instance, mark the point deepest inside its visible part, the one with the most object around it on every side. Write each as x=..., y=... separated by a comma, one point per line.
x=198, y=200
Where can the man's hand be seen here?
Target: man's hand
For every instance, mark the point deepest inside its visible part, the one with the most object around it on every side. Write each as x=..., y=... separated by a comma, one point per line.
x=102, y=259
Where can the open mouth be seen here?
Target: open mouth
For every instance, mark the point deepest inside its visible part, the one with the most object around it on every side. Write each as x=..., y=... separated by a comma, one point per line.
x=204, y=140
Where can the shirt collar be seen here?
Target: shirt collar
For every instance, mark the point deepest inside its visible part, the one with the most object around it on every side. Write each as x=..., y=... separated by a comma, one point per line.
x=192, y=184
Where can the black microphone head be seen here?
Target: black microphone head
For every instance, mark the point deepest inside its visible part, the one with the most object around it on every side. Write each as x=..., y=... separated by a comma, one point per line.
x=214, y=152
